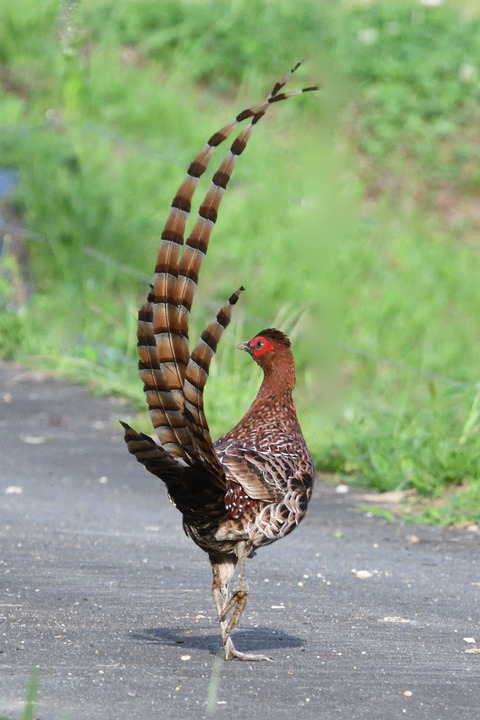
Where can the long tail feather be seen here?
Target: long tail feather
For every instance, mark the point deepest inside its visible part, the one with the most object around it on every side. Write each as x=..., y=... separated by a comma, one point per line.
x=155, y=458
x=167, y=322
x=198, y=368
x=197, y=243
x=166, y=416
x=163, y=319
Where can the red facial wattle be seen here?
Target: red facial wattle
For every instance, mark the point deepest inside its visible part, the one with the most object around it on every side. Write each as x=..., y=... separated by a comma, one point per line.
x=260, y=345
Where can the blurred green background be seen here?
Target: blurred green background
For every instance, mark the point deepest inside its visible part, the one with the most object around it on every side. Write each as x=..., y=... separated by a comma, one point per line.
x=352, y=219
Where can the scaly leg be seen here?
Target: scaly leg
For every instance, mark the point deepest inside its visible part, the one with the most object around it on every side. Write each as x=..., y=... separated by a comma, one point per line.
x=239, y=597
x=223, y=567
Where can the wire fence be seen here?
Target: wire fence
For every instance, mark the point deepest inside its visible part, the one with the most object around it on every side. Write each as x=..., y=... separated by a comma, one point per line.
x=144, y=277
x=146, y=150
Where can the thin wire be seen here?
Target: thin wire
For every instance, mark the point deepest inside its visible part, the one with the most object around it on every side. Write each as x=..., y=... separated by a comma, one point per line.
x=107, y=260
x=380, y=360
x=7, y=227
x=143, y=277
x=141, y=148
x=149, y=151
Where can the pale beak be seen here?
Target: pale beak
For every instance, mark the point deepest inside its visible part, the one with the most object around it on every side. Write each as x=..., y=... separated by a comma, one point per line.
x=245, y=346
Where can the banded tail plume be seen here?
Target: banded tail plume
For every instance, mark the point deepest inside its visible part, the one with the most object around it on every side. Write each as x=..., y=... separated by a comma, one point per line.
x=234, y=494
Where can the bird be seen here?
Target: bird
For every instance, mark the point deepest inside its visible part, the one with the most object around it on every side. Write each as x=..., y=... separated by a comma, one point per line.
x=252, y=486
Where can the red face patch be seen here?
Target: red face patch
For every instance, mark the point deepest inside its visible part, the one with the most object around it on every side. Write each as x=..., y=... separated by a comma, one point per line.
x=260, y=345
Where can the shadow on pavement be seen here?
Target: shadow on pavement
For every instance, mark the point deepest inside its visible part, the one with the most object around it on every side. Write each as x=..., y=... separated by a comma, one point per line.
x=257, y=639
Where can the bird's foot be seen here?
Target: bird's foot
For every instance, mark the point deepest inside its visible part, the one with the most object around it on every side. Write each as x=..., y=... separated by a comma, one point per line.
x=231, y=653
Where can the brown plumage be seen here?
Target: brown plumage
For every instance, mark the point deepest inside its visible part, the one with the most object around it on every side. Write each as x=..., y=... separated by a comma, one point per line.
x=251, y=486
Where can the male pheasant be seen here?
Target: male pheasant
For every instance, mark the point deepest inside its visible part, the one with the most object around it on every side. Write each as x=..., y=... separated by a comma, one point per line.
x=252, y=486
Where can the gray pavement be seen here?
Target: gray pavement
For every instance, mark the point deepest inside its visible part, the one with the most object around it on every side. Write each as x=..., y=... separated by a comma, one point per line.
x=104, y=594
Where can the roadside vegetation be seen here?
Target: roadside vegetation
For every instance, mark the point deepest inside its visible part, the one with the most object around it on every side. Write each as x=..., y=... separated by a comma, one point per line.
x=352, y=219
x=30, y=699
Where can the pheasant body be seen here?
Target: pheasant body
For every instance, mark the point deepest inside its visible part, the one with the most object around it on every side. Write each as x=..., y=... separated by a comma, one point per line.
x=252, y=486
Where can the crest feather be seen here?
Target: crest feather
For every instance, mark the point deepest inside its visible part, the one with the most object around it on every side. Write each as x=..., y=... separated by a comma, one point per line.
x=277, y=335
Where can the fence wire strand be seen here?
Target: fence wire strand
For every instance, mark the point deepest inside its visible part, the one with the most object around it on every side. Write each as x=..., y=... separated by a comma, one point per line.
x=148, y=151
x=107, y=260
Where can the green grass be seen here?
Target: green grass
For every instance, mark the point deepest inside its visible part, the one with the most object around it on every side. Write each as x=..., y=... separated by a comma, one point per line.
x=32, y=692
x=357, y=205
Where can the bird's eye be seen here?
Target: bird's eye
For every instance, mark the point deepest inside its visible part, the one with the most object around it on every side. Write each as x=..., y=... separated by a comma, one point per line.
x=259, y=345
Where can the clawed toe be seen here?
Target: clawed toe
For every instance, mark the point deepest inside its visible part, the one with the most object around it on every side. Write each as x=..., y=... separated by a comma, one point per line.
x=231, y=653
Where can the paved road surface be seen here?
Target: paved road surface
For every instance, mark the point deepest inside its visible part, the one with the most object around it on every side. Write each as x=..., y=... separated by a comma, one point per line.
x=103, y=593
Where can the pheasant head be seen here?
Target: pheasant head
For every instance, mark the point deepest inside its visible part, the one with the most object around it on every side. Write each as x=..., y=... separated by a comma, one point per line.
x=271, y=350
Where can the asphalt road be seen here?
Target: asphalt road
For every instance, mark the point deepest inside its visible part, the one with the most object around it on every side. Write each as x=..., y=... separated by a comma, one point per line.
x=102, y=592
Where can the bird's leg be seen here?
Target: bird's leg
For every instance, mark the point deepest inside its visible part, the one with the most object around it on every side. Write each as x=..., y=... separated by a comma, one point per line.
x=223, y=567
x=239, y=597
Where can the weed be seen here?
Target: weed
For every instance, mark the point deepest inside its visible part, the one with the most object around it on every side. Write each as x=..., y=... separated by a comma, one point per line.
x=32, y=691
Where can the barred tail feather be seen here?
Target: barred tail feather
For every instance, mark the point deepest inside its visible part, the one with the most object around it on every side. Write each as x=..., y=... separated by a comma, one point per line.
x=197, y=243
x=156, y=459
x=167, y=321
x=166, y=417
x=198, y=369
x=174, y=380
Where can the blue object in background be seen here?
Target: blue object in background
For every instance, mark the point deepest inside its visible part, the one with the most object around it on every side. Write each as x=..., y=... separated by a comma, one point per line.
x=8, y=180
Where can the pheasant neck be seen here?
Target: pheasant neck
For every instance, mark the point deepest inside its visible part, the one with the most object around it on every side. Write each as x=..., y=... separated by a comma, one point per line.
x=278, y=380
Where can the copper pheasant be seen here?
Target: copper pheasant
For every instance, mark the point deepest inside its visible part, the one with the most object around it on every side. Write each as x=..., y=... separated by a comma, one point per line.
x=252, y=486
